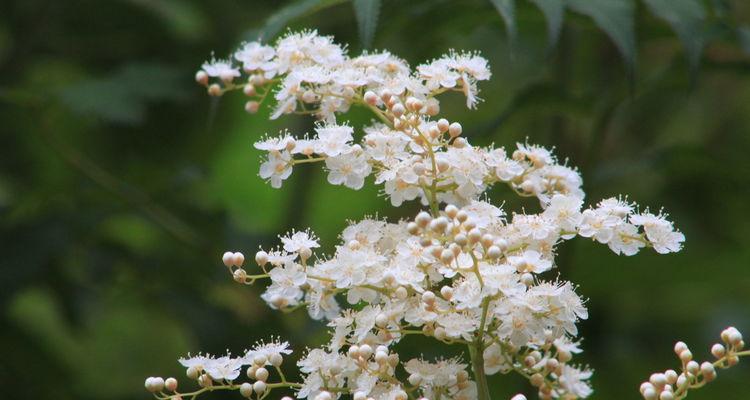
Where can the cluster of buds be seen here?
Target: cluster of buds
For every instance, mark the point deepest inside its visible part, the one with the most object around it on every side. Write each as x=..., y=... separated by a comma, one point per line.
x=671, y=385
x=159, y=385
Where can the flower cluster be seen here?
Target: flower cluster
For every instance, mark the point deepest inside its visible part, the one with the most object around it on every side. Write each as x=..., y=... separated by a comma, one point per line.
x=466, y=272
x=670, y=385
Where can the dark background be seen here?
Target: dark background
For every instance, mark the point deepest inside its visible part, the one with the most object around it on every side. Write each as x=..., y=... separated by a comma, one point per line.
x=121, y=182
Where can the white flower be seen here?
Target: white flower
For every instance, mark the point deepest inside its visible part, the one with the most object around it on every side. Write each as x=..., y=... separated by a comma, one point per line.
x=222, y=69
x=223, y=368
x=573, y=380
x=566, y=212
x=274, y=144
x=495, y=360
x=348, y=169
x=438, y=74
x=266, y=350
x=458, y=325
x=299, y=240
x=626, y=240
x=530, y=261
x=276, y=168
x=333, y=140
x=198, y=361
x=285, y=288
x=659, y=232
x=255, y=56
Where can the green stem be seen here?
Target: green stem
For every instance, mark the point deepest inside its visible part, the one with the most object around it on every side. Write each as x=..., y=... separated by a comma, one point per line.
x=476, y=350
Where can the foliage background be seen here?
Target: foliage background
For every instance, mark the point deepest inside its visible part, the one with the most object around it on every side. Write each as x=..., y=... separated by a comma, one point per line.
x=121, y=182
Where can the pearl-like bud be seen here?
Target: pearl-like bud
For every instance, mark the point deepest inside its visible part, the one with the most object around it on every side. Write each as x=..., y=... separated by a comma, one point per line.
x=246, y=390
x=228, y=258
x=371, y=98
x=214, y=90
x=718, y=350
x=428, y=297
x=398, y=110
x=455, y=129
x=261, y=374
x=170, y=384
x=259, y=387
x=276, y=359
x=238, y=259
x=423, y=219
x=446, y=292
x=201, y=77
x=679, y=347
x=261, y=258
x=252, y=107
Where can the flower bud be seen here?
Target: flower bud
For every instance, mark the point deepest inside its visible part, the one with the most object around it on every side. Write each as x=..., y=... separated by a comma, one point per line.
x=239, y=275
x=423, y=219
x=686, y=355
x=261, y=258
x=238, y=259
x=692, y=367
x=446, y=292
x=518, y=397
x=671, y=376
x=679, y=347
x=666, y=395
x=252, y=107
x=249, y=90
x=658, y=380
x=527, y=279
x=455, y=129
x=246, y=390
x=276, y=359
x=718, y=350
x=228, y=258
x=365, y=351
x=537, y=380
x=371, y=98
x=192, y=373
x=214, y=90
x=398, y=110
x=201, y=77
x=261, y=374
x=170, y=384
x=259, y=387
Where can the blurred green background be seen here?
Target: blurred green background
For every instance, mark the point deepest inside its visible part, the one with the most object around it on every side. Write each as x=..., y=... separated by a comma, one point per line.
x=122, y=182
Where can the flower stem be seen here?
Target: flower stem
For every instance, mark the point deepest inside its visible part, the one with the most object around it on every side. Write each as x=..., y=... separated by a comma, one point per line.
x=476, y=350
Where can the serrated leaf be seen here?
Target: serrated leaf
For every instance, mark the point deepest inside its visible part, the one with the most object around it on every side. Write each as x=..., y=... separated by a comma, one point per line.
x=507, y=10
x=686, y=17
x=554, y=11
x=367, y=13
x=616, y=18
x=280, y=19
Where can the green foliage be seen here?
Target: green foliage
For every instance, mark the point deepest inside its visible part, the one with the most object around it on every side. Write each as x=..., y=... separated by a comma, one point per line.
x=367, y=12
x=507, y=10
x=121, y=182
x=687, y=18
x=554, y=13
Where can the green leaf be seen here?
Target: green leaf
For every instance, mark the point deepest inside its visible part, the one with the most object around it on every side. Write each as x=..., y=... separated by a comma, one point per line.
x=616, y=18
x=183, y=18
x=367, y=13
x=686, y=17
x=280, y=19
x=123, y=97
x=743, y=34
x=507, y=10
x=554, y=11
